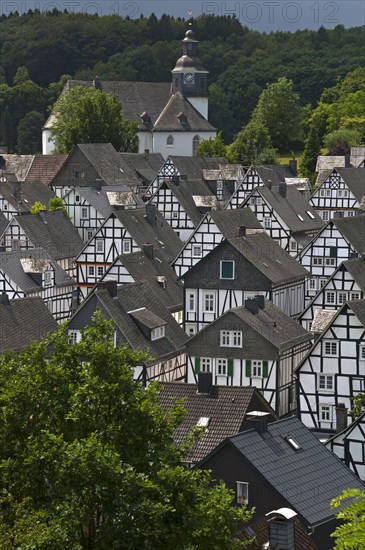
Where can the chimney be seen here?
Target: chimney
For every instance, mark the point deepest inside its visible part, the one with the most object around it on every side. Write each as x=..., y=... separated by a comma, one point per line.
x=161, y=279
x=242, y=231
x=97, y=184
x=260, y=300
x=347, y=160
x=17, y=192
x=341, y=417
x=97, y=83
x=148, y=250
x=4, y=299
x=282, y=189
x=269, y=184
x=110, y=286
x=150, y=213
x=257, y=420
x=205, y=382
x=293, y=167
x=175, y=179
x=282, y=529
x=252, y=305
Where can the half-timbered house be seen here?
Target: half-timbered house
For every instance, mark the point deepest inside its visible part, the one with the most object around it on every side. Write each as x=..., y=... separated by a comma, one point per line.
x=346, y=283
x=145, y=165
x=142, y=322
x=183, y=203
x=23, y=322
x=123, y=232
x=224, y=181
x=52, y=231
x=33, y=273
x=281, y=466
x=89, y=207
x=89, y=162
x=339, y=191
x=213, y=228
x=339, y=240
x=17, y=197
x=349, y=446
x=285, y=215
x=254, y=345
x=333, y=372
x=239, y=268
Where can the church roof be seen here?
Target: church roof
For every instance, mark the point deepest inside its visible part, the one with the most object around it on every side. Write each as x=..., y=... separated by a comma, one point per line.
x=180, y=115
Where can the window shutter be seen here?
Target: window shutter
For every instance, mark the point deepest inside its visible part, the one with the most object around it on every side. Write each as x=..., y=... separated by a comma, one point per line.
x=230, y=367
x=197, y=365
x=333, y=251
x=265, y=370
x=248, y=368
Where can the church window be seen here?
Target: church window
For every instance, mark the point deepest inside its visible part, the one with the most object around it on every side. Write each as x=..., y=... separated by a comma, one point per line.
x=170, y=141
x=196, y=141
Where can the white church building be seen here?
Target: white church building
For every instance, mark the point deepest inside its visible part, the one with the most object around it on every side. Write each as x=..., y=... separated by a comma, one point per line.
x=172, y=117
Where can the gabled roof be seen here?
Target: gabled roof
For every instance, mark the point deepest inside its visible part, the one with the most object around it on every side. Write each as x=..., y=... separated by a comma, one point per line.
x=192, y=167
x=11, y=264
x=273, y=173
x=228, y=221
x=146, y=165
x=3, y=223
x=23, y=195
x=102, y=198
x=225, y=407
x=346, y=432
x=356, y=268
x=355, y=181
x=180, y=116
x=52, y=231
x=358, y=307
x=328, y=162
x=268, y=257
x=307, y=478
x=353, y=229
x=290, y=207
x=142, y=267
x=24, y=321
x=18, y=164
x=44, y=168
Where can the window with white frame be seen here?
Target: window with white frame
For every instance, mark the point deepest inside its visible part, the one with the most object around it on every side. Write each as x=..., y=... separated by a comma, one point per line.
x=77, y=198
x=190, y=329
x=256, y=369
x=312, y=284
x=84, y=212
x=342, y=193
x=206, y=364
x=330, y=348
x=91, y=270
x=74, y=336
x=100, y=246
x=358, y=384
x=354, y=295
x=325, y=215
x=231, y=338
x=222, y=366
x=100, y=270
x=196, y=142
x=330, y=297
x=197, y=250
x=317, y=260
x=242, y=492
x=227, y=269
x=126, y=246
x=322, y=282
x=47, y=278
x=267, y=222
x=89, y=234
x=293, y=246
x=330, y=262
x=191, y=301
x=362, y=352
x=322, y=192
x=325, y=412
x=158, y=333
x=341, y=298
x=325, y=382
x=209, y=302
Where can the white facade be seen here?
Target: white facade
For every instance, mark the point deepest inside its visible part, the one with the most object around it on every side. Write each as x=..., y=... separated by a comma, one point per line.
x=182, y=143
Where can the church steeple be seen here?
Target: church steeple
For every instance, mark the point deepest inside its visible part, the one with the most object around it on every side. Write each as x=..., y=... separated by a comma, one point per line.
x=189, y=76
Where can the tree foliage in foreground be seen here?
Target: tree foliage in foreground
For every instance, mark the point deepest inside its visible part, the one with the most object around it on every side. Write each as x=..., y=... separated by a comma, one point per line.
x=351, y=534
x=87, y=457
x=89, y=115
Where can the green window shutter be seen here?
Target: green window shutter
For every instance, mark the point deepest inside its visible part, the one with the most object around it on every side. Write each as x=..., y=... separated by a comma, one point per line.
x=230, y=367
x=265, y=370
x=333, y=251
x=248, y=368
x=197, y=365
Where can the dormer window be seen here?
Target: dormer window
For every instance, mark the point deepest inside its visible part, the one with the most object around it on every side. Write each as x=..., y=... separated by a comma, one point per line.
x=47, y=278
x=158, y=333
x=170, y=141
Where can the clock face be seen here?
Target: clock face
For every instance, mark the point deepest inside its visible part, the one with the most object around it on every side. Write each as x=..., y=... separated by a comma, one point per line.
x=189, y=79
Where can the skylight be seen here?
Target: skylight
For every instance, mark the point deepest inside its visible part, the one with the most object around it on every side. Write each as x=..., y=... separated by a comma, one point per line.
x=310, y=214
x=293, y=443
x=300, y=217
x=203, y=422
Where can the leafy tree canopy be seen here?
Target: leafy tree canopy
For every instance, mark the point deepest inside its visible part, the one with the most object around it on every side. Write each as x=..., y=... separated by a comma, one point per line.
x=29, y=139
x=212, y=147
x=88, y=115
x=88, y=459
x=358, y=405
x=351, y=534
x=250, y=142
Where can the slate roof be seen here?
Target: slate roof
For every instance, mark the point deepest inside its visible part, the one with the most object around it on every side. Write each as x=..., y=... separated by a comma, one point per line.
x=308, y=478
x=11, y=265
x=141, y=267
x=355, y=181
x=23, y=195
x=267, y=256
x=18, y=164
x=353, y=229
x=52, y=231
x=100, y=199
x=228, y=221
x=131, y=297
x=44, y=168
x=3, y=223
x=290, y=207
x=225, y=406
x=145, y=165
x=170, y=121
x=23, y=321
x=358, y=307
x=356, y=268
x=274, y=173
x=192, y=167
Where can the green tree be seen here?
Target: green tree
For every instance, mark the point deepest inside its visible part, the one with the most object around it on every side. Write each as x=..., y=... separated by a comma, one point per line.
x=212, y=147
x=56, y=203
x=358, y=405
x=37, y=207
x=88, y=115
x=279, y=109
x=88, y=459
x=249, y=143
x=29, y=140
x=351, y=534
x=21, y=75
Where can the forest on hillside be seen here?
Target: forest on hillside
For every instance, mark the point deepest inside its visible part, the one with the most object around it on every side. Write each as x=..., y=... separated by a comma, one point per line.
x=38, y=50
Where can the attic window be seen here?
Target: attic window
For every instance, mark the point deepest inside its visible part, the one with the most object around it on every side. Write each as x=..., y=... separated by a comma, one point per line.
x=300, y=217
x=158, y=333
x=293, y=443
x=203, y=422
x=310, y=214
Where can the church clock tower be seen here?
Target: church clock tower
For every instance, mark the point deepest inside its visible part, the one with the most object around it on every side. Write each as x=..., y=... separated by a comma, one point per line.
x=189, y=76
